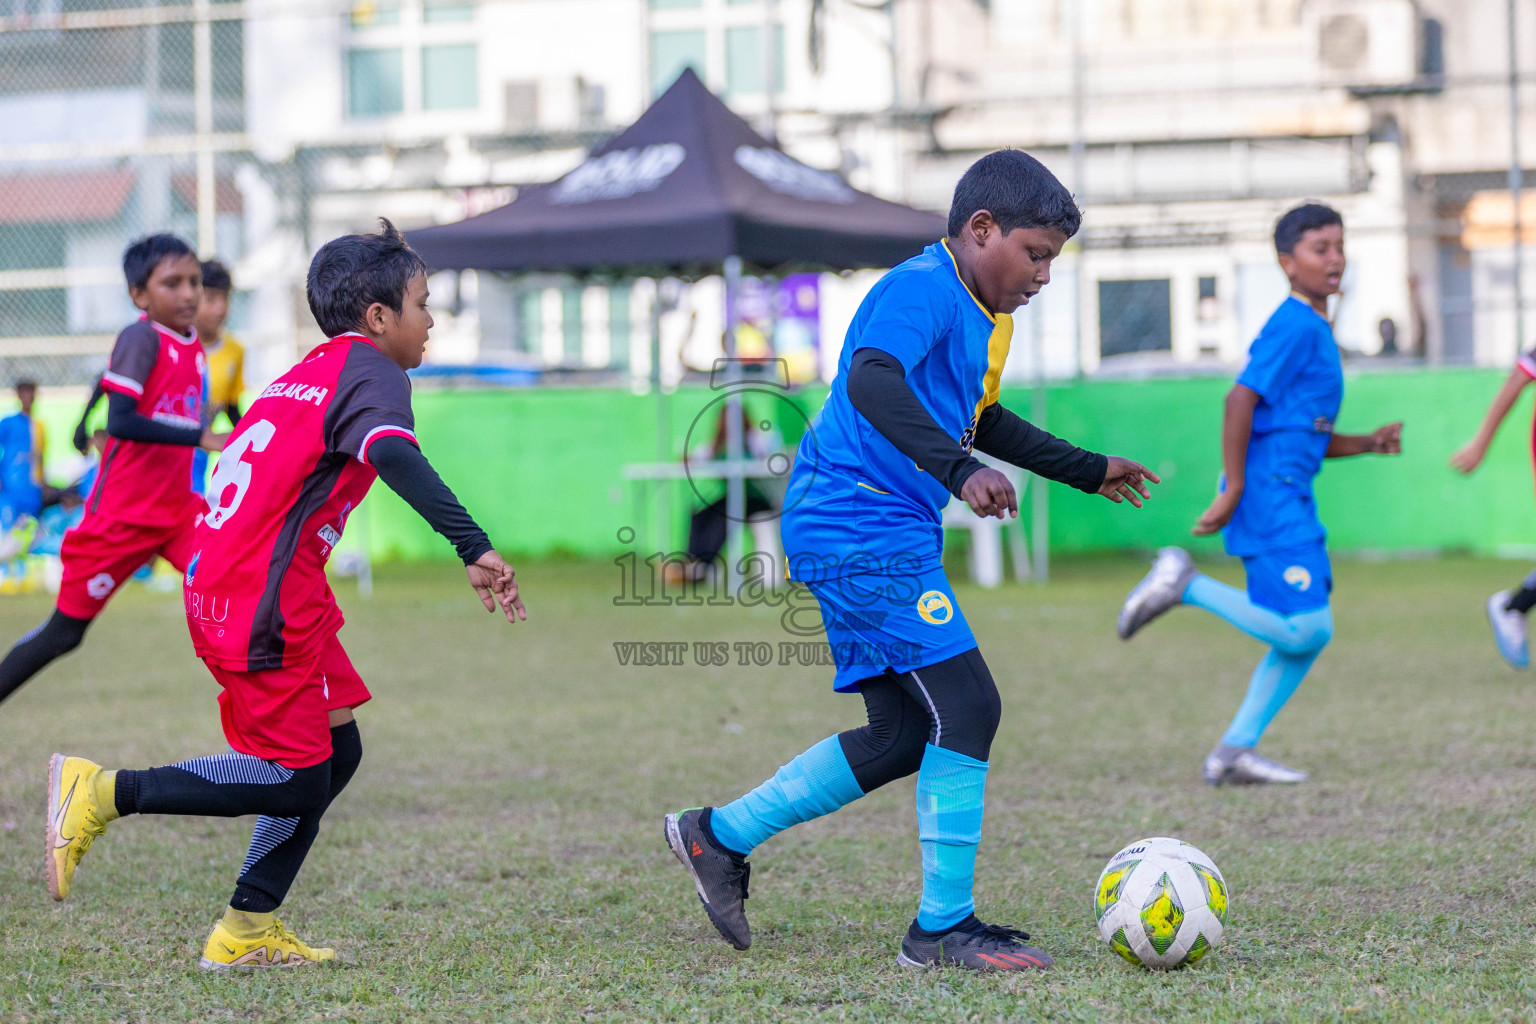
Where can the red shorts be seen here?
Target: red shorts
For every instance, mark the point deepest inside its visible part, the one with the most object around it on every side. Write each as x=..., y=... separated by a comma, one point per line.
x=100, y=553
x=284, y=714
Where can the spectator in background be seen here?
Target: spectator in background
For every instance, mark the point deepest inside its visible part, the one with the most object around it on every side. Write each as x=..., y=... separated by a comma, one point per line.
x=1387, y=328
x=23, y=443
x=707, y=527
x=226, y=356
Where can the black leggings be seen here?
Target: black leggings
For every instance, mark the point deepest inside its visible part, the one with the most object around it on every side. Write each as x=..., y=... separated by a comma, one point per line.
x=953, y=704
x=53, y=639
x=290, y=802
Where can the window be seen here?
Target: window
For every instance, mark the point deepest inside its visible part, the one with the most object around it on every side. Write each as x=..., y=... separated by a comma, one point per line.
x=1134, y=317
x=1208, y=308
x=570, y=323
x=744, y=60
x=411, y=57
x=530, y=321
x=620, y=326
x=671, y=52
x=371, y=14
x=375, y=82
x=450, y=77
x=436, y=11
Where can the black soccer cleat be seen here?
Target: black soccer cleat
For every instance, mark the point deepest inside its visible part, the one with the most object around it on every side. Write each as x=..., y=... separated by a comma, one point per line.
x=974, y=945
x=719, y=874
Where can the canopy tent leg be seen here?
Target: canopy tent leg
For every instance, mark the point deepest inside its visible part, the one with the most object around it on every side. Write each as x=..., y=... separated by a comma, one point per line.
x=735, y=483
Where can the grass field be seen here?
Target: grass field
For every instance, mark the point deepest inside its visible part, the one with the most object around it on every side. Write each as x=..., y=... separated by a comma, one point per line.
x=499, y=856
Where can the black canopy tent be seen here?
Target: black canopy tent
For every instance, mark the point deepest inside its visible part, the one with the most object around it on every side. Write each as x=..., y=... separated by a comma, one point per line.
x=688, y=185
x=689, y=189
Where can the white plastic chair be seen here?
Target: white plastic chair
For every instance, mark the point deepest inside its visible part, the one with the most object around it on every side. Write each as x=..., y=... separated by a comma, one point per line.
x=985, y=560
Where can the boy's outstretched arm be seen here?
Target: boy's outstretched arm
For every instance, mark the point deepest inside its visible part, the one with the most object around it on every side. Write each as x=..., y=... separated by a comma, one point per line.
x=126, y=423
x=406, y=471
x=1004, y=434
x=1471, y=454
x=1236, y=429
x=1387, y=440
x=877, y=387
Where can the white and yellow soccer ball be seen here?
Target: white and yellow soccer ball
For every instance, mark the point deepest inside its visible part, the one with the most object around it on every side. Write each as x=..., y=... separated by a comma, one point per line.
x=1161, y=903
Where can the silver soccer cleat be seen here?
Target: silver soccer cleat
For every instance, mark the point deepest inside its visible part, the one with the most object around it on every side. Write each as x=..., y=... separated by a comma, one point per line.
x=1242, y=766
x=1509, y=631
x=1160, y=590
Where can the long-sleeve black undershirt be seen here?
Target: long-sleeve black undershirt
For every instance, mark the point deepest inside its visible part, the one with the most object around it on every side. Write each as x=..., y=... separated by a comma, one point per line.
x=407, y=472
x=126, y=423
x=1004, y=434
x=82, y=440
x=877, y=387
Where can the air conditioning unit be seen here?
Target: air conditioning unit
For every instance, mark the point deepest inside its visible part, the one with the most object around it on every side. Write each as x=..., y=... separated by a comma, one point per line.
x=1363, y=43
x=570, y=101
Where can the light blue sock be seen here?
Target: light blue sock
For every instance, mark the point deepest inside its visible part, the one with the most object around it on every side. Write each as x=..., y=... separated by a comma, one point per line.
x=817, y=782
x=1273, y=682
x=1294, y=634
x=950, y=792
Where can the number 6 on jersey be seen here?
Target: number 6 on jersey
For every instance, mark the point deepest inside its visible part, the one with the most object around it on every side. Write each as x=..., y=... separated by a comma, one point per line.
x=233, y=471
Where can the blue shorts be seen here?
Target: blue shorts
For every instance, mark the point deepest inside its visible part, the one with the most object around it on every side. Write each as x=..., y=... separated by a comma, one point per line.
x=879, y=621
x=1292, y=581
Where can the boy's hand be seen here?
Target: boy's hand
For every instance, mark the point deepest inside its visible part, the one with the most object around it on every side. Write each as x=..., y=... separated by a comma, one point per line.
x=1470, y=455
x=494, y=580
x=989, y=493
x=213, y=442
x=1218, y=515
x=1125, y=480
x=1387, y=440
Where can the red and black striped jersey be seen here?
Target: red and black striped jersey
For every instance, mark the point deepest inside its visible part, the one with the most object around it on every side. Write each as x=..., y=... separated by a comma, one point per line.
x=139, y=482
x=256, y=593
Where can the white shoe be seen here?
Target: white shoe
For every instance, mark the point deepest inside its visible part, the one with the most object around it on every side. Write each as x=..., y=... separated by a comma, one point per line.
x=1509, y=631
x=1238, y=766
x=1160, y=590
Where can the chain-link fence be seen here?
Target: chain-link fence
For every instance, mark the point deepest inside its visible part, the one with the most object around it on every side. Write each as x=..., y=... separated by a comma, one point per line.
x=257, y=129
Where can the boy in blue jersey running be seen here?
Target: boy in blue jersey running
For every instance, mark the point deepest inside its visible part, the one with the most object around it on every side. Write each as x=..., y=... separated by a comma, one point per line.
x=916, y=392
x=1275, y=434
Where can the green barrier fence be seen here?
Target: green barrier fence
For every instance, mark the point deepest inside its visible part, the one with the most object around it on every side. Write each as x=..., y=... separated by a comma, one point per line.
x=542, y=469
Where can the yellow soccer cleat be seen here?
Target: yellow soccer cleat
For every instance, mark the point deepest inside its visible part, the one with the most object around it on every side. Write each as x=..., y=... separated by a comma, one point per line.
x=74, y=819
x=274, y=947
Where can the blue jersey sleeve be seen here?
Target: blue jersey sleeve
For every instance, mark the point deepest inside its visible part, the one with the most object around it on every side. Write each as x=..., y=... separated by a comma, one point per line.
x=909, y=318
x=1275, y=358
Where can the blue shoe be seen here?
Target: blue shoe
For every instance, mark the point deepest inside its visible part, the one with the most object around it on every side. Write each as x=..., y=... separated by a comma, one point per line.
x=1509, y=634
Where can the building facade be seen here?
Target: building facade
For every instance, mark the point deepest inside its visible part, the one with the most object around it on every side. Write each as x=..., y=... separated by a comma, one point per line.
x=261, y=128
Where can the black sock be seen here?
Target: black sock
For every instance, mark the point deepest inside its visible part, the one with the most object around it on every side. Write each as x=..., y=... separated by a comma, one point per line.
x=1522, y=601
x=126, y=792
x=709, y=834
x=53, y=639
x=279, y=845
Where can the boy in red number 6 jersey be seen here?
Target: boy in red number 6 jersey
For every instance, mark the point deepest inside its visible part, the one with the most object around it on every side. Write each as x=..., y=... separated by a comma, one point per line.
x=142, y=503
x=260, y=610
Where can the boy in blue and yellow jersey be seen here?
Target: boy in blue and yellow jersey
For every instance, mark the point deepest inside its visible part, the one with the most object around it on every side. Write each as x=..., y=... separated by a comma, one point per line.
x=1276, y=432
x=226, y=356
x=23, y=446
x=916, y=391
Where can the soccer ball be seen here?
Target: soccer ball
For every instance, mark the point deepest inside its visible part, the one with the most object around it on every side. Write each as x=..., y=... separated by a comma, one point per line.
x=1161, y=903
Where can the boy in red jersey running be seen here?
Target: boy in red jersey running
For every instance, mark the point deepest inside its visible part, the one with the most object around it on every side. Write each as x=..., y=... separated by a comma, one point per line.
x=262, y=615
x=1507, y=609
x=142, y=504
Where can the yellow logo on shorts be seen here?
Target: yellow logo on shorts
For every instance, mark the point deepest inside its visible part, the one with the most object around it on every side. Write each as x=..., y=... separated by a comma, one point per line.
x=1298, y=577
x=934, y=607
